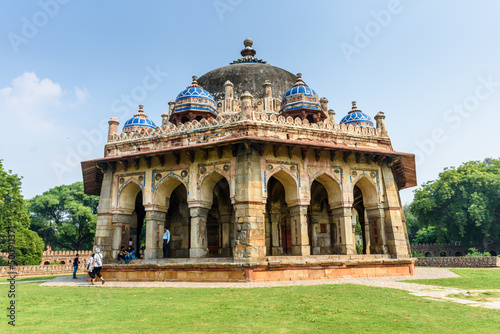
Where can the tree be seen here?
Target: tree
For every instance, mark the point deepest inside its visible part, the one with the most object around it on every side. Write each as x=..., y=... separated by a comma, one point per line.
x=412, y=225
x=431, y=235
x=65, y=217
x=463, y=200
x=14, y=217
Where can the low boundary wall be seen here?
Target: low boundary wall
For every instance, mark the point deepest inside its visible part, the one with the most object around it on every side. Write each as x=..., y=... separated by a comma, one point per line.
x=42, y=270
x=464, y=262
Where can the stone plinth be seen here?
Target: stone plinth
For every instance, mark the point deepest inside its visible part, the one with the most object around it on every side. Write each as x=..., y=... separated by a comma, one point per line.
x=275, y=268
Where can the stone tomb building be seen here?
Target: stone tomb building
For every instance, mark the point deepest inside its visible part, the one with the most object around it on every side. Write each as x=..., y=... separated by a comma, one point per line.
x=256, y=180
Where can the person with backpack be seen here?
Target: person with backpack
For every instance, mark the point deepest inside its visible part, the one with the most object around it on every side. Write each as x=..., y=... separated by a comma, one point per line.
x=96, y=266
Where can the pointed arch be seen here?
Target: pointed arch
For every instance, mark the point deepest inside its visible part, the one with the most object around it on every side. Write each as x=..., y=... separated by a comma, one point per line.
x=127, y=194
x=289, y=183
x=207, y=186
x=332, y=188
x=164, y=189
x=369, y=191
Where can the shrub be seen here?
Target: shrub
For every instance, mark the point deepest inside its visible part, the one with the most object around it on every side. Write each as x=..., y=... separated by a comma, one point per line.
x=415, y=254
x=359, y=249
x=475, y=253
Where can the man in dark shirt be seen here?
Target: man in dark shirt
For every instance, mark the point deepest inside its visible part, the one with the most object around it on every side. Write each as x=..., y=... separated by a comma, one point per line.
x=76, y=262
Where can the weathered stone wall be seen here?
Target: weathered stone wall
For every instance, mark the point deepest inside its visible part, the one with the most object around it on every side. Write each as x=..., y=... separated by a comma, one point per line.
x=453, y=249
x=65, y=257
x=42, y=270
x=468, y=262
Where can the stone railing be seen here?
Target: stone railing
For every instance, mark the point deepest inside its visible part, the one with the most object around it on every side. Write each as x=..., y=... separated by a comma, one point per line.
x=42, y=270
x=467, y=262
x=222, y=120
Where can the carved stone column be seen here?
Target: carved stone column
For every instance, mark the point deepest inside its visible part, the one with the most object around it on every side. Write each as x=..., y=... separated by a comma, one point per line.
x=375, y=217
x=225, y=223
x=199, y=237
x=103, y=230
x=344, y=236
x=155, y=221
x=276, y=249
x=120, y=227
x=300, y=237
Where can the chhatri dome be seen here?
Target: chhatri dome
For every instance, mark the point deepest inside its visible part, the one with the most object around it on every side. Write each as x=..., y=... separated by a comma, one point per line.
x=138, y=122
x=357, y=117
x=302, y=101
x=193, y=103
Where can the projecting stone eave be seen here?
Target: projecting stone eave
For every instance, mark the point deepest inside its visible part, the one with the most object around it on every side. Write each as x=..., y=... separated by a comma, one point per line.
x=402, y=164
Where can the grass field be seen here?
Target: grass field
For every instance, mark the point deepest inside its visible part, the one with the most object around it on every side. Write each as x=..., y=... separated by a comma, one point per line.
x=309, y=309
x=470, y=278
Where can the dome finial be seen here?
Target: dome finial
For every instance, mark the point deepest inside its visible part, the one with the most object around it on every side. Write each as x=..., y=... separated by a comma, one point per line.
x=141, y=108
x=248, y=42
x=354, y=105
x=299, y=81
x=195, y=82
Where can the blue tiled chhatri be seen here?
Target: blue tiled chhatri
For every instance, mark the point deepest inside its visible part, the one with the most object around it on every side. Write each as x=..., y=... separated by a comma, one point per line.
x=300, y=96
x=195, y=92
x=139, y=121
x=357, y=117
x=195, y=98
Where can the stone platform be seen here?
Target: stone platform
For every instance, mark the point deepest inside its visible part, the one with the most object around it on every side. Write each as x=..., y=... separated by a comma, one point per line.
x=273, y=268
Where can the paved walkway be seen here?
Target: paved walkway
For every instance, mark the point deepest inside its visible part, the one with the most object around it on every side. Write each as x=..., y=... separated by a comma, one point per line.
x=425, y=291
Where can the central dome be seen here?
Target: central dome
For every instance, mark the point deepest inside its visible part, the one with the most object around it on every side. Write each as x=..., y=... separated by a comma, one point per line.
x=247, y=74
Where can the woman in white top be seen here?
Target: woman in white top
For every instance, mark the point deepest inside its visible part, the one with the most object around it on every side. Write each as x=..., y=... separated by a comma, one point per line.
x=96, y=266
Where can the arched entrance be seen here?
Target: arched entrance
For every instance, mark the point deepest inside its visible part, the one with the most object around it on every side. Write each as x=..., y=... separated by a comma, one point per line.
x=220, y=226
x=171, y=197
x=278, y=223
x=128, y=223
x=368, y=218
x=321, y=231
x=286, y=220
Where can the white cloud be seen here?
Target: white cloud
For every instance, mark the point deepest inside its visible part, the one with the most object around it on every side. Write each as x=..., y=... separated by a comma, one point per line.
x=34, y=132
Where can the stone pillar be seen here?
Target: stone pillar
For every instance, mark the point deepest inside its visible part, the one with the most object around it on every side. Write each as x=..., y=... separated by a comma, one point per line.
x=246, y=106
x=103, y=230
x=300, y=237
x=331, y=115
x=344, y=236
x=120, y=227
x=334, y=249
x=113, y=127
x=324, y=103
x=394, y=228
x=225, y=222
x=250, y=240
x=314, y=242
x=268, y=95
x=276, y=250
x=375, y=218
x=380, y=119
x=164, y=119
x=228, y=90
x=199, y=238
x=171, y=105
x=155, y=221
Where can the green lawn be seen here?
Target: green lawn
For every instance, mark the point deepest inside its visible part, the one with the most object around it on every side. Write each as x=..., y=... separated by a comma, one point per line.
x=470, y=278
x=311, y=309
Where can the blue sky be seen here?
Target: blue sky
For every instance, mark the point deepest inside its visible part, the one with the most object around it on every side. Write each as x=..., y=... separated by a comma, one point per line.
x=67, y=66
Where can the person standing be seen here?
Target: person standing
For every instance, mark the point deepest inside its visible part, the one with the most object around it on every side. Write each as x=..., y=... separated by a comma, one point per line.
x=96, y=266
x=76, y=262
x=166, y=241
